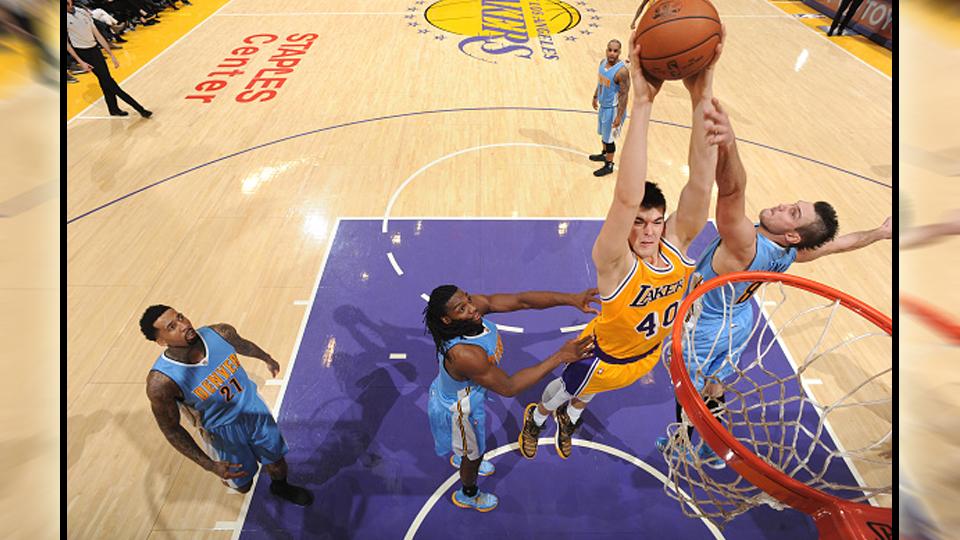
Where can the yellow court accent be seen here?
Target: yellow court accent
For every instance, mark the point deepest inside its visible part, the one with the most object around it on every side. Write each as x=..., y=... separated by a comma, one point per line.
x=144, y=44
x=466, y=18
x=872, y=53
x=17, y=56
x=939, y=20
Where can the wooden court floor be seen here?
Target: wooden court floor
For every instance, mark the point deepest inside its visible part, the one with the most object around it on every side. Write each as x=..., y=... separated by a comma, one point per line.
x=224, y=208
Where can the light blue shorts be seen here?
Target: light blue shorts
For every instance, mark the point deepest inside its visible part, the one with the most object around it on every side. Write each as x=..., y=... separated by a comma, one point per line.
x=605, y=119
x=458, y=429
x=252, y=438
x=719, y=364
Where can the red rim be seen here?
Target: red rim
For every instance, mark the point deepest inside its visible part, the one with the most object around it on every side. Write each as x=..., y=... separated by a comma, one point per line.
x=785, y=488
x=945, y=325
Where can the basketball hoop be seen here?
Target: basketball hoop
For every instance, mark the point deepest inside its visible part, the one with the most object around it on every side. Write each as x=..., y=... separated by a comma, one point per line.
x=776, y=438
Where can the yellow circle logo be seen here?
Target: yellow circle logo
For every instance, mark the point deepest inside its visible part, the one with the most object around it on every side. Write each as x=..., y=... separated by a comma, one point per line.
x=511, y=28
x=466, y=17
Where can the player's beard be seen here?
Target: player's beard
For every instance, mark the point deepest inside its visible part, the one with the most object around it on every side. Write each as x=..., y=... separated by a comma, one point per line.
x=194, y=340
x=465, y=327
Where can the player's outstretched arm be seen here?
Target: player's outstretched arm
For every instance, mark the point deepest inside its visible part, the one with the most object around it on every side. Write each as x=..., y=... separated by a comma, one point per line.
x=245, y=347
x=737, y=231
x=163, y=394
x=610, y=251
x=500, y=303
x=848, y=242
x=927, y=234
x=694, y=205
x=471, y=361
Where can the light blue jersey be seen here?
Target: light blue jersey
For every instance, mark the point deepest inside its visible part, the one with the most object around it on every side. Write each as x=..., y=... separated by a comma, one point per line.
x=218, y=387
x=608, y=91
x=727, y=311
x=456, y=408
x=236, y=422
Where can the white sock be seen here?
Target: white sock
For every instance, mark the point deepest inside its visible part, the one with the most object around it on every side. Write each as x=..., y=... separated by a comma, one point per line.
x=574, y=413
x=539, y=418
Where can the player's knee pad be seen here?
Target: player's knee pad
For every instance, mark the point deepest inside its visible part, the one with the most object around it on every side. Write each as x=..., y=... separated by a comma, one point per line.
x=555, y=395
x=609, y=147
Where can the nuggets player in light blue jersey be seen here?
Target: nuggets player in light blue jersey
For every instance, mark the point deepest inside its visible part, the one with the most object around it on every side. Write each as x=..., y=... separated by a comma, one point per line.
x=200, y=372
x=468, y=352
x=610, y=102
x=799, y=231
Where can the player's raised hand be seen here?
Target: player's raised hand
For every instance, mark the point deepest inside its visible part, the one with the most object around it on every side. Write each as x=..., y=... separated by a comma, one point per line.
x=576, y=349
x=701, y=83
x=583, y=300
x=645, y=85
x=717, y=124
x=225, y=470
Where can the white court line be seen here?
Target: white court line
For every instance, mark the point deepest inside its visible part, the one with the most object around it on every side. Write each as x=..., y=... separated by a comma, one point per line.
x=835, y=44
x=513, y=329
x=301, y=302
x=577, y=328
x=813, y=381
x=141, y=68
x=293, y=359
x=273, y=382
x=225, y=525
x=425, y=296
x=131, y=117
x=393, y=262
x=398, y=356
x=826, y=423
x=633, y=460
x=396, y=194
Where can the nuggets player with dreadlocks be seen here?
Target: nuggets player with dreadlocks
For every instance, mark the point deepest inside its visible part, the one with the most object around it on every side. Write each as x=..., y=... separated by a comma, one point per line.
x=469, y=351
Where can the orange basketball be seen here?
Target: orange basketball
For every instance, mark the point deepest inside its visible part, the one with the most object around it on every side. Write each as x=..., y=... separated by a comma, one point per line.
x=678, y=38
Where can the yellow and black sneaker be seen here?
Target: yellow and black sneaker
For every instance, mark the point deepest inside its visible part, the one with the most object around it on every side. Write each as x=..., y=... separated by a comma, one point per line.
x=530, y=433
x=565, y=429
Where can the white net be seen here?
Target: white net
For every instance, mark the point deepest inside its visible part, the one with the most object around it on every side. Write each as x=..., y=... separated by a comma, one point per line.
x=821, y=415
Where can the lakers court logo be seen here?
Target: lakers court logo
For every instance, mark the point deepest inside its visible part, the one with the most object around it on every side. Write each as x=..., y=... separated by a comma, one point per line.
x=497, y=30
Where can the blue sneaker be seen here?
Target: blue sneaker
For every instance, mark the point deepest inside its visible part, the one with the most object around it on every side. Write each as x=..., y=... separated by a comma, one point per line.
x=663, y=442
x=710, y=458
x=482, y=502
x=486, y=468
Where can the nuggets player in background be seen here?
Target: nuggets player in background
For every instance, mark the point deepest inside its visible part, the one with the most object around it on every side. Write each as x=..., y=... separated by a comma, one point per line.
x=610, y=101
x=468, y=352
x=200, y=371
x=790, y=232
x=642, y=269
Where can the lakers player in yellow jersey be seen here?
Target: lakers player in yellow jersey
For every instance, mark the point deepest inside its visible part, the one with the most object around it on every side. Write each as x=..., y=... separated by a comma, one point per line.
x=642, y=269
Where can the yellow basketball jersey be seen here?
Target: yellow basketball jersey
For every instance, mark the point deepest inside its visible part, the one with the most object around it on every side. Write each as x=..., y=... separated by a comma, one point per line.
x=638, y=315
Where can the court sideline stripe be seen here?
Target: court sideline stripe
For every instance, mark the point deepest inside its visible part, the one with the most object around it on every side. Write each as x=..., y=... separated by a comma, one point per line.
x=141, y=68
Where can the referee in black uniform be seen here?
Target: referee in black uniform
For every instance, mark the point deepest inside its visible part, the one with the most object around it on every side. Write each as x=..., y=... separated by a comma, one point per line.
x=82, y=45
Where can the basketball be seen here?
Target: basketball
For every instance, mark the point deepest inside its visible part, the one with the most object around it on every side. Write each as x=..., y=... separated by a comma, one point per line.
x=678, y=38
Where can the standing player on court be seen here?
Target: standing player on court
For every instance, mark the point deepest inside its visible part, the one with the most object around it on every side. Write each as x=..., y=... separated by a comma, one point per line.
x=469, y=351
x=787, y=233
x=611, y=95
x=641, y=268
x=200, y=370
